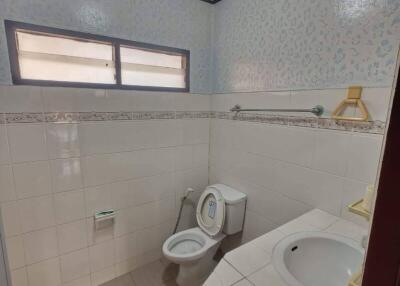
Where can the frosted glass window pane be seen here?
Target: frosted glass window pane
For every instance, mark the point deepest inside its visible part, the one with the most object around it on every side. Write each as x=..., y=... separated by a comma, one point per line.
x=153, y=77
x=46, y=57
x=152, y=68
x=144, y=57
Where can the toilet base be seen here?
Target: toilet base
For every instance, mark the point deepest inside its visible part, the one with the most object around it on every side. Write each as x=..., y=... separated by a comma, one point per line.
x=196, y=270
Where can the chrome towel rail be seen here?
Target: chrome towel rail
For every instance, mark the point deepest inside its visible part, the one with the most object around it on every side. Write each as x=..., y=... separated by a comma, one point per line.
x=316, y=110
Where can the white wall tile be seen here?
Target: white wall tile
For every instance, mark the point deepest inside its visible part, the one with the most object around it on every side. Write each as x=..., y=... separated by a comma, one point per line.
x=126, y=247
x=83, y=281
x=66, y=174
x=183, y=158
x=353, y=192
x=155, y=101
x=98, y=199
x=272, y=205
x=94, y=138
x=193, y=131
x=317, y=189
x=19, y=277
x=200, y=155
x=46, y=273
x=118, y=136
x=167, y=133
x=102, y=256
x=139, y=191
x=331, y=152
x=72, y=236
x=74, y=265
x=4, y=150
x=102, y=169
x=377, y=101
x=69, y=206
x=11, y=218
x=102, y=276
x=74, y=99
x=7, y=191
x=190, y=102
x=119, y=100
x=36, y=213
x=40, y=245
x=125, y=221
x=20, y=99
x=15, y=252
x=32, y=179
x=363, y=159
x=256, y=225
x=27, y=142
x=328, y=98
x=98, y=236
x=62, y=140
x=154, y=213
x=288, y=144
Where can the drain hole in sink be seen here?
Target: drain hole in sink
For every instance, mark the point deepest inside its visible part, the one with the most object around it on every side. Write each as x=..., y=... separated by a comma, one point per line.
x=294, y=248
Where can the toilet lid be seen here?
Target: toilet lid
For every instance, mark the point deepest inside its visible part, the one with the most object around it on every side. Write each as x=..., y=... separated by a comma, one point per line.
x=210, y=211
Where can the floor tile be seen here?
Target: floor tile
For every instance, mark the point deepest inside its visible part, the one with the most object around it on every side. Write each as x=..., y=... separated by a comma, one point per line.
x=125, y=280
x=223, y=275
x=155, y=274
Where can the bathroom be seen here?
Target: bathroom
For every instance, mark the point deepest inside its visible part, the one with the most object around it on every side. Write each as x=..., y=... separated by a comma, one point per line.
x=116, y=120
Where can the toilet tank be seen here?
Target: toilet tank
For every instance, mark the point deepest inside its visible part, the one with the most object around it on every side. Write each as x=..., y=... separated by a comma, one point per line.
x=235, y=206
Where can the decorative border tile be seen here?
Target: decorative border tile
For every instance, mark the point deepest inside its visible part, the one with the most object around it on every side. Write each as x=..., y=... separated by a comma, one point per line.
x=332, y=124
x=62, y=117
x=94, y=116
x=311, y=122
x=24, y=117
x=373, y=127
x=120, y=115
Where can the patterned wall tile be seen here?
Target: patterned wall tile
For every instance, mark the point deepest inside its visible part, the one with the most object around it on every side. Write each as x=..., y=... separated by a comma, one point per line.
x=175, y=23
x=284, y=44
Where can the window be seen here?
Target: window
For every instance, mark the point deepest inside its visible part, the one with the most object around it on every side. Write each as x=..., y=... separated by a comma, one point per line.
x=54, y=57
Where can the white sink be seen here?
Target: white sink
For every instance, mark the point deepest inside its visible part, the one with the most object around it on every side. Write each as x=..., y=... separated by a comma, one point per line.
x=317, y=258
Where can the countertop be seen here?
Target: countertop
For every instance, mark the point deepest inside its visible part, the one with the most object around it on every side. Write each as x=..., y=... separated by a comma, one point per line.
x=251, y=263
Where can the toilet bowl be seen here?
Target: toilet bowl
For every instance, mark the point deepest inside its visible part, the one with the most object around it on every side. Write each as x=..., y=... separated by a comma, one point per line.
x=193, y=250
x=189, y=245
x=220, y=212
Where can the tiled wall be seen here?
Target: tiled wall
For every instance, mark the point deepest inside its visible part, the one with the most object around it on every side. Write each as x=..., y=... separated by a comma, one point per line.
x=306, y=44
x=288, y=165
x=66, y=153
x=174, y=23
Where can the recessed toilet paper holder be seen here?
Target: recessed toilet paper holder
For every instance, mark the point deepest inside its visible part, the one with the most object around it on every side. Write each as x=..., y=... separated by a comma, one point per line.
x=103, y=219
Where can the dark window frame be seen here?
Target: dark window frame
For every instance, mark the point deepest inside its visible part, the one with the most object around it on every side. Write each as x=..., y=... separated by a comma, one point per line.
x=12, y=26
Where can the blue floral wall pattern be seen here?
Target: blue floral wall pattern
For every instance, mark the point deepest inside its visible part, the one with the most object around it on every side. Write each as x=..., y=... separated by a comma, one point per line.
x=177, y=23
x=291, y=44
x=241, y=45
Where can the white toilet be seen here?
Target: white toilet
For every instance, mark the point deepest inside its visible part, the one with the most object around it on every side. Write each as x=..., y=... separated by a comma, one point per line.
x=220, y=212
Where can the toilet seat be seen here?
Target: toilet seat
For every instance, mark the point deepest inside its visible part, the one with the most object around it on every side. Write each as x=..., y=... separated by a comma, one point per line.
x=189, y=245
x=210, y=212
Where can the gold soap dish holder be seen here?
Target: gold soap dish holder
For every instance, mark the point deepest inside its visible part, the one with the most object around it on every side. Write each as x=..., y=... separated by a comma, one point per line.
x=353, y=99
x=358, y=209
x=356, y=279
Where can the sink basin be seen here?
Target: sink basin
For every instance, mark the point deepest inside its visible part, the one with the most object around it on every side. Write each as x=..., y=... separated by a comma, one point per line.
x=317, y=258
